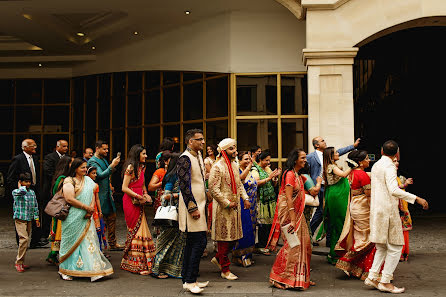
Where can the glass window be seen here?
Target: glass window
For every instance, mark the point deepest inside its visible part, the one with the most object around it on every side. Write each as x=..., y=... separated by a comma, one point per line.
x=50, y=141
x=118, y=138
x=187, y=127
x=293, y=135
x=29, y=119
x=90, y=112
x=118, y=115
x=152, y=141
x=192, y=76
x=57, y=91
x=29, y=91
x=258, y=132
x=216, y=131
x=193, y=101
x=152, y=79
x=6, y=149
x=293, y=92
x=6, y=119
x=59, y=123
x=6, y=91
x=152, y=107
x=171, y=104
x=134, y=112
x=171, y=77
x=78, y=112
x=256, y=95
x=119, y=84
x=174, y=132
x=134, y=136
x=217, y=97
x=134, y=81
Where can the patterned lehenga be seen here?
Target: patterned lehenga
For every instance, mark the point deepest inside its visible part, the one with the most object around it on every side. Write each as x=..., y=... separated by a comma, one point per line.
x=171, y=241
x=79, y=253
x=139, y=248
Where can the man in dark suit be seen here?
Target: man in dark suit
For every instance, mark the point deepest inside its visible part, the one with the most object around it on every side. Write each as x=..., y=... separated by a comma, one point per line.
x=315, y=161
x=21, y=163
x=49, y=166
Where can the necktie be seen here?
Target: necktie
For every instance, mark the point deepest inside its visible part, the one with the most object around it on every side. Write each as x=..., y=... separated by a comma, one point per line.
x=33, y=169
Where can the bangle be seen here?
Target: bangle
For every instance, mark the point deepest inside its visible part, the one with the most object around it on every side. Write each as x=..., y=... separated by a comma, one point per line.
x=292, y=208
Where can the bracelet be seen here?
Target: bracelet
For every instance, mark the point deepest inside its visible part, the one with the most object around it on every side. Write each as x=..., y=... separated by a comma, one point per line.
x=292, y=208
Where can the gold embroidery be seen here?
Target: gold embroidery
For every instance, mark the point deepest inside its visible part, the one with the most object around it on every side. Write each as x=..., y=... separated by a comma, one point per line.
x=79, y=262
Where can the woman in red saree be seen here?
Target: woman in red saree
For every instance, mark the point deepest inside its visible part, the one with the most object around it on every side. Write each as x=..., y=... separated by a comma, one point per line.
x=139, y=248
x=291, y=268
x=354, y=245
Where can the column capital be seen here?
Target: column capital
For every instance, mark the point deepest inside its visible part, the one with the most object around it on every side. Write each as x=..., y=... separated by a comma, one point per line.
x=337, y=56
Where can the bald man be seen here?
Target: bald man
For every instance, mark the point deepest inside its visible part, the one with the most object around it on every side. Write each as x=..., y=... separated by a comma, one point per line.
x=24, y=162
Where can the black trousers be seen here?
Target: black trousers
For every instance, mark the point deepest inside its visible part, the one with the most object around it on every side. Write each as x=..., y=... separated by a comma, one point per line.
x=263, y=235
x=195, y=245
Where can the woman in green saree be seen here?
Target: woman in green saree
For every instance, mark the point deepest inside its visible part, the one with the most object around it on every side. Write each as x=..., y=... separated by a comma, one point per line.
x=79, y=254
x=337, y=191
x=266, y=180
x=61, y=171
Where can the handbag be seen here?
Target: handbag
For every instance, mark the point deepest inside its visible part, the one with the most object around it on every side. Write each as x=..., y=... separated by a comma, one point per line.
x=58, y=207
x=166, y=215
x=311, y=201
x=291, y=238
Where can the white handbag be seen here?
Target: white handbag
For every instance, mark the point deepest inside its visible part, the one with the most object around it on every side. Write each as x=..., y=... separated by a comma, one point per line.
x=292, y=238
x=311, y=201
x=166, y=215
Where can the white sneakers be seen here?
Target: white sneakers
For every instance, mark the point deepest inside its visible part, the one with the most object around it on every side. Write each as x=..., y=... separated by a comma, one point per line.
x=195, y=288
x=229, y=276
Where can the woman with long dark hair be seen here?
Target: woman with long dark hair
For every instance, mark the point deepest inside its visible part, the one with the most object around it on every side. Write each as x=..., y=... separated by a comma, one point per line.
x=168, y=144
x=139, y=248
x=171, y=241
x=80, y=255
x=60, y=173
x=266, y=180
x=291, y=268
x=337, y=191
x=354, y=245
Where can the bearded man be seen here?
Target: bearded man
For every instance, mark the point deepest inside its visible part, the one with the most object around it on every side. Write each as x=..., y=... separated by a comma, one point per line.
x=226, y=189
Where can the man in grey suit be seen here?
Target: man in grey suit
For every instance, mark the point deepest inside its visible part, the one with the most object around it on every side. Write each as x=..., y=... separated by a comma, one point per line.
x=315, y=161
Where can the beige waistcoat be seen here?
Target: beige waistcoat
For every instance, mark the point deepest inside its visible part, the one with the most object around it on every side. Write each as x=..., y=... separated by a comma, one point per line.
x=185, y=221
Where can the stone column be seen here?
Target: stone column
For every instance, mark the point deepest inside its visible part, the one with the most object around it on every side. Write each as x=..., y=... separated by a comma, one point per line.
x=330, y=95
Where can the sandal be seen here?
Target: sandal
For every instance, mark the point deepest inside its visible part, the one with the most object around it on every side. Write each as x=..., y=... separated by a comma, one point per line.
x=145, y=272
x=312, y=283
x=162, y=276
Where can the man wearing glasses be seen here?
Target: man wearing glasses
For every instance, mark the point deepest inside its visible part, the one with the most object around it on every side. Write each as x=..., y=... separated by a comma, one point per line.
x=26, y=161
x=192, y=208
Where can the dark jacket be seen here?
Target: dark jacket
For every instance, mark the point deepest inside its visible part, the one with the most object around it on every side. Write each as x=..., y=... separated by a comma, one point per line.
x=19, y=164
x=49, y=166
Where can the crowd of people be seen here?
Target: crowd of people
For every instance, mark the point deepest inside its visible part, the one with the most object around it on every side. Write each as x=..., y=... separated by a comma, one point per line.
x=232, y=196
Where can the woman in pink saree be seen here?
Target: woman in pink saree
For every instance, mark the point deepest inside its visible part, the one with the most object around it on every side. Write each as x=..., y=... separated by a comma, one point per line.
x=291, y=268
x=139, y=247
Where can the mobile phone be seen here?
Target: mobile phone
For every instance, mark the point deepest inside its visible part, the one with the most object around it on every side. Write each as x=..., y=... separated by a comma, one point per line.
x=118, y=154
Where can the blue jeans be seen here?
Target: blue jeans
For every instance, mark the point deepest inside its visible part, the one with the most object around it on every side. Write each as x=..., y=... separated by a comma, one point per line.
x=195, y=245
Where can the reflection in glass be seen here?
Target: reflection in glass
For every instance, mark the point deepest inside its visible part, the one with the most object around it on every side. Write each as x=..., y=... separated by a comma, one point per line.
x=193, y=101
x=59, y=123
x=217, y=91
x=6, y=91
x=152, y=141
x=258, y=132
x=134, y=112
x=256, y=95
x=293, y=135
x=294, y=95
x=29, y=91
x=29, y=119
x=152, y=107
x=57, y=91
x=171, y=104
x=6, y=119
x=216, y=131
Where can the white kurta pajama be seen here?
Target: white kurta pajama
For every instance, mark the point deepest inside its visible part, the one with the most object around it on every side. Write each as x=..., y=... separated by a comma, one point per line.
x=385, y=223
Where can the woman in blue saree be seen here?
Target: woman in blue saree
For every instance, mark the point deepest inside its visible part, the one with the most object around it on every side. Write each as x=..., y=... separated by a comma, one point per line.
x=79, y=254
x=242, y=253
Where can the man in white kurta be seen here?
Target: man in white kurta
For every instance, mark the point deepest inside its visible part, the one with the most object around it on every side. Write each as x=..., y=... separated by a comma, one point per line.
x=385, y=223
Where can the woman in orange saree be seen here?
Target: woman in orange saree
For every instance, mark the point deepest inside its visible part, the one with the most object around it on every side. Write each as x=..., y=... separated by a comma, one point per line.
x=291, y=268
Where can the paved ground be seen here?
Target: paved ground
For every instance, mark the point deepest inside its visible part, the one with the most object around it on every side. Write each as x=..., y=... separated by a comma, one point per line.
x=423, y=275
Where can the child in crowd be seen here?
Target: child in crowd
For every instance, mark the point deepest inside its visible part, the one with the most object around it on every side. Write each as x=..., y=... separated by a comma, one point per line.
x=25, y=210
x=97, y=215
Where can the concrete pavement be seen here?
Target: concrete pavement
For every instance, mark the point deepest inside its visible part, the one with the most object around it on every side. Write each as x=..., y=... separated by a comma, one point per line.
x=423, y=275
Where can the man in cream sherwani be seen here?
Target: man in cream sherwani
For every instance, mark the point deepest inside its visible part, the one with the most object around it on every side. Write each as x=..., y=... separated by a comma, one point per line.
x=226, y=189
x=385, y=223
